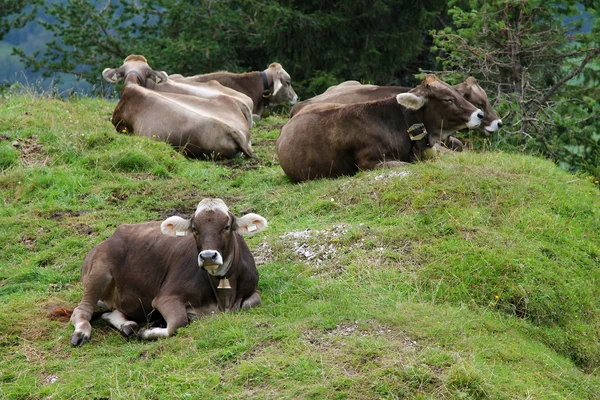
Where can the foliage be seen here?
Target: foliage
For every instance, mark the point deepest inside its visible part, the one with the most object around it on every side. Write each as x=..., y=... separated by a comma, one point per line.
x=15, y=14
x=473, y=276
x=380, y=41
x=544, y=68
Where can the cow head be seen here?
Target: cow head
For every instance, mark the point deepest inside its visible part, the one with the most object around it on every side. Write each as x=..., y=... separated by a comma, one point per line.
x=214, y=227
x=442, y=108
x=283, y=92
x=471, y=91
x=135, y=70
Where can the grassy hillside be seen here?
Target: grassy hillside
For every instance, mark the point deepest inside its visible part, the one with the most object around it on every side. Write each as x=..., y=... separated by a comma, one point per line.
x=473, y=276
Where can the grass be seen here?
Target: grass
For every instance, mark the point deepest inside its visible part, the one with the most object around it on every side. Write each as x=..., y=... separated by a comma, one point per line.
x=473, y=276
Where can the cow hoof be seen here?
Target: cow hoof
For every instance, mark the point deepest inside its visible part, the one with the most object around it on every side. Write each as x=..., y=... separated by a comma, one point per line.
x=128, y=329
x=79, y=339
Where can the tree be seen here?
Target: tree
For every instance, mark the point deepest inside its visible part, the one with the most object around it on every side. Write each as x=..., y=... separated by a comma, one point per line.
x=15, y=14
x=380, y=41
x=544, y=68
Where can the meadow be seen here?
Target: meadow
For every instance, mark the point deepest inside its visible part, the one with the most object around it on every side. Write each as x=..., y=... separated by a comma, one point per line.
x=473, y=276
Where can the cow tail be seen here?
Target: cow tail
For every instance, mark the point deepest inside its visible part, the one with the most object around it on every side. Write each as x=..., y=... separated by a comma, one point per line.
x=243, y=143
x=63, y=314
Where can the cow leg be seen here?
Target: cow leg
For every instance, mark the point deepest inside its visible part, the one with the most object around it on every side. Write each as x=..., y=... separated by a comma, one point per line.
x=252, y=301
x=94, y=287
x=117, y=319
x=175, y=314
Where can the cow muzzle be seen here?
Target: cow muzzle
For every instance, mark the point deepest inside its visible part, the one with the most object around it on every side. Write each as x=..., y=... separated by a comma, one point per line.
x=476, y=119
x=210, y=260
x=494, y=126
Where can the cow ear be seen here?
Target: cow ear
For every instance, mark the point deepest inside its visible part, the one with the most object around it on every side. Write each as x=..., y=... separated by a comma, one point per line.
x=250, y=224
x=175, y=226
x=276, y=85
x=158, y=76
x=410, y=100
x=112, y=75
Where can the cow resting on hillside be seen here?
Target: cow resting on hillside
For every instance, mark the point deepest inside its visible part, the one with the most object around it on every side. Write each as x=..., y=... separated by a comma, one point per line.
x=180, y=269
x=350, y=92
x=330, y=140
x=200, y=127
x=269, y=87
x=354, y=92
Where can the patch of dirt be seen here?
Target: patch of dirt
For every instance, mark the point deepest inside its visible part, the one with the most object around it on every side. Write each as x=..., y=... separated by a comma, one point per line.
x=28, y=241
x=32, y=153
x=263, y=254
x=59, y=215
x=316, y=246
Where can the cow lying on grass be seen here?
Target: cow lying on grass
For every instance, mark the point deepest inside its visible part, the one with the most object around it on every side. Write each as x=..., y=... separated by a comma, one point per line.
x=266, y=88
x=178, y=269
x=329, y=140
x=200, y=127
x=350, y=92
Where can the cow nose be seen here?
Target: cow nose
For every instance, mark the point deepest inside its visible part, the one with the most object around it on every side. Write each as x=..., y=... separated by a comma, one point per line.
x=480, y=115
x=209, y=255
x=499, y=124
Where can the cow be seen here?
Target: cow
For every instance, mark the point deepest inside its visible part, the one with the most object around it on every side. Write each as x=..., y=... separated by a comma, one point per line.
x=272, y=86
x=205, y=90
x=199, y=127
x=330, y=140
x=354, y=92
x=179, y=268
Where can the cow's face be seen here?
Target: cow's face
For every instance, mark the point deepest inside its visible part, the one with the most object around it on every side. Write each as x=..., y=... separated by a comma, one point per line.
x=134, y=70
x=213, y=227
x=444, y=110
x=283, y=92
x=471, y=91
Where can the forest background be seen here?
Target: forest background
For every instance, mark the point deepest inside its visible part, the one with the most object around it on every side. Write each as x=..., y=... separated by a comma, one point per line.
x=539, y=61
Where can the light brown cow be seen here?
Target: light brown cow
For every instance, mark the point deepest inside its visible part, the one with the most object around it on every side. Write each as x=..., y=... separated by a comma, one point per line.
x=354, y=92
x=269, y=87
x=329, y=140
x=174, y=271
x=199, y=127
x=205, y=90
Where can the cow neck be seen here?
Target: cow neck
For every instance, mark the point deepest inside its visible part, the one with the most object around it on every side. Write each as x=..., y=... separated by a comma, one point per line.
x=138, y=76
x=223, y=273
x=267, y=92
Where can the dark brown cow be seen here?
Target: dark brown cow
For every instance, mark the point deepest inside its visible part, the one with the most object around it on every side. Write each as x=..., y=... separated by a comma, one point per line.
x=330, y=140
x=270, y=87
x=179, y=268
x=354, y=92
x=200, y=127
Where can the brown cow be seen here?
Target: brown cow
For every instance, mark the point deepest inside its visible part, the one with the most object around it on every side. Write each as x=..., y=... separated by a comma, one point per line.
x=205, y=90
x=200, y=127
x=270, y=87
x=180, y=269
x=354, y=92
x=330, y=140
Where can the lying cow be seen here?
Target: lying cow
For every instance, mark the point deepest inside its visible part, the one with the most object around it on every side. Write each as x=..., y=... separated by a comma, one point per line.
x=329, y=140
x=272, y=86
x=200, y=127
x=354, y=92
x=181, y=268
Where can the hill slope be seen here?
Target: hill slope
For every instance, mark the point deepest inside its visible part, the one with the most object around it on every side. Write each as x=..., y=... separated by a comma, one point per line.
x=474, y=276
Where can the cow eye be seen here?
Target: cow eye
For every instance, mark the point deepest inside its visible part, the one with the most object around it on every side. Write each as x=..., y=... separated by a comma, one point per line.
x=194, y=230
x=449, y=101
x=227, y=228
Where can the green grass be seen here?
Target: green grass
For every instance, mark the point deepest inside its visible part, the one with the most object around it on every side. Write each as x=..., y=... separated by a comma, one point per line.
x=473, y=276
